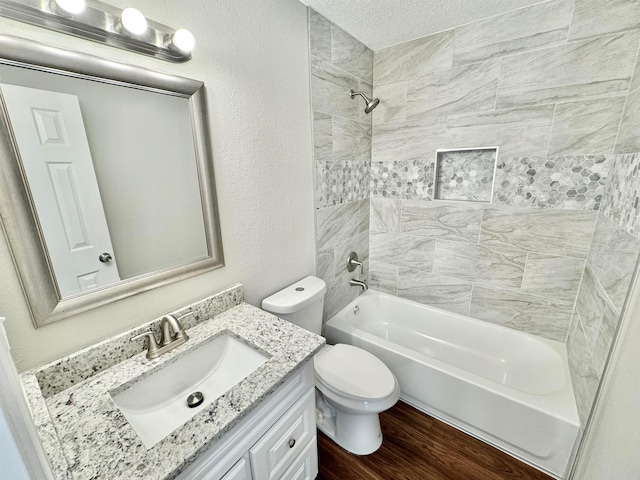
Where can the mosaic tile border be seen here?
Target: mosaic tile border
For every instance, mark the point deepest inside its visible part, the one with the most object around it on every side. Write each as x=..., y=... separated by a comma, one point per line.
x=339, y=182
x=405, y=179
x=572, y=182
x=621, y=202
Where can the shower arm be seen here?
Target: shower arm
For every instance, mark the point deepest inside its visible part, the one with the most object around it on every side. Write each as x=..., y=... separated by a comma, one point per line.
x=353, y=93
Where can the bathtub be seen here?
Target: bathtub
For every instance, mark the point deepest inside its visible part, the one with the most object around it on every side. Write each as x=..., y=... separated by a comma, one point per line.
x=507, y=388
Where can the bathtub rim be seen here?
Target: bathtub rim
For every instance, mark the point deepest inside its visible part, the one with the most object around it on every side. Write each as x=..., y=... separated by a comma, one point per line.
x=560, y=405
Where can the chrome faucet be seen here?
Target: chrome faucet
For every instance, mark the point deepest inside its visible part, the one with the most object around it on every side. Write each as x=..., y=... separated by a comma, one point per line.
x=359, y=283
x=168, y=341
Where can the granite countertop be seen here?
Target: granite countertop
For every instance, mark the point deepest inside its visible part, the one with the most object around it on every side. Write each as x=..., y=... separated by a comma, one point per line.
x=86, y=436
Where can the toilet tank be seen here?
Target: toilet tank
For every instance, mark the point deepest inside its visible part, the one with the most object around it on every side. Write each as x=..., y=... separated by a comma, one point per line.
x=300, y=303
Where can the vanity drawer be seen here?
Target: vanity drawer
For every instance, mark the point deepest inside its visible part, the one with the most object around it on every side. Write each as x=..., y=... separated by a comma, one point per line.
x=276, y=451
x=240, y=471
x=305, y=467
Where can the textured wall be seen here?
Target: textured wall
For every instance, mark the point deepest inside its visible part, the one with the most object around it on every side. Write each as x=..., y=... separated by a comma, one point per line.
x=253, y=58
x=342, y=156
x=556, y=87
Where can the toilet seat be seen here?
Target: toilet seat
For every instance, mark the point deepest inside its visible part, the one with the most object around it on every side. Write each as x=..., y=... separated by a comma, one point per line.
x=354, y=373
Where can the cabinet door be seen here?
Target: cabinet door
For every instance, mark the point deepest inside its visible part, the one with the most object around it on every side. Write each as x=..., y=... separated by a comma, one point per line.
x=240, y=471
x=305, y=467
x=273, y=454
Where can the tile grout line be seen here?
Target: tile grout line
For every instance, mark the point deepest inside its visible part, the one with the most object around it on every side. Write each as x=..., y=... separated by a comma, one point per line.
x=553, y=121
x=463, y=25
x=484, y=208
x=573, y=11
x=584, y=333
x=626, y=100
x=607, y=300
x=315, y=110
x=570, y=42
x=524, y=269
x=342, y=70
x=495, y=103
x=514, y=290
x=574, y=311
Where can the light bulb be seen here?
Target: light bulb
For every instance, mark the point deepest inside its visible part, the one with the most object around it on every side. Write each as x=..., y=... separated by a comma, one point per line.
x=132, y=21
x=68, y=7
x=183, y=40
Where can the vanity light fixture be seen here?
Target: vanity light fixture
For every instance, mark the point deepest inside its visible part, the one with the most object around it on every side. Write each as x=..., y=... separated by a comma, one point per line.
x=132, y=22
x=182, y=40
x=67, y=7
x=98, y=21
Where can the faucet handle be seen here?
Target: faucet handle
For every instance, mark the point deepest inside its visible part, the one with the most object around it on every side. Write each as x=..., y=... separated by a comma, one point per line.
x=352, y=263
x=181, y=333
x=185, y=315
x=153, y=343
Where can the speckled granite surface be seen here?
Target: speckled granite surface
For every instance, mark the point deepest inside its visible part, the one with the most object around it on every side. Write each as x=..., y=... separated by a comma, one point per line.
x=72, y=369
x=86, y=436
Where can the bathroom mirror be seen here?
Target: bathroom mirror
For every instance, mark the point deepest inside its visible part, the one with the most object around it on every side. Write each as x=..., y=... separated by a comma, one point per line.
x=107, y=185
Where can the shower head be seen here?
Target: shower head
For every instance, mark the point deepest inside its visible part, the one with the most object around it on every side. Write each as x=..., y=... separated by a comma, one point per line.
x=371, y=104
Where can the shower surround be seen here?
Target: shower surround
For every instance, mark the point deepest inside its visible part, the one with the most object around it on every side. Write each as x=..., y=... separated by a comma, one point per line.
x=342, y=156
x=556, y=87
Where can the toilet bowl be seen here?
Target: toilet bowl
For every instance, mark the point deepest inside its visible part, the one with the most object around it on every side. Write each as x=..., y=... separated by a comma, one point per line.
x=352, y=385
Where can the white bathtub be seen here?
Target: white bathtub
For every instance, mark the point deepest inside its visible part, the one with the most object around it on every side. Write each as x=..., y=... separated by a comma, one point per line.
x=510, y=389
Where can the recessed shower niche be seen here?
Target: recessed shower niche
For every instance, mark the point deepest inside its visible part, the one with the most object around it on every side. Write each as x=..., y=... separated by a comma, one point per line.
x=465, y=174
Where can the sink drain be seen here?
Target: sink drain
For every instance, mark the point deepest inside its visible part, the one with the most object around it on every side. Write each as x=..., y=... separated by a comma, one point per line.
x=195, y=400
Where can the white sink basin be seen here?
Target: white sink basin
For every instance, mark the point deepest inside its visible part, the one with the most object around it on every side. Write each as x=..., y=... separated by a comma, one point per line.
x=156, y=405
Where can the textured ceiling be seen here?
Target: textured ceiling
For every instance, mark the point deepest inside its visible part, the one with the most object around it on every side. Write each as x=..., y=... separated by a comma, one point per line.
x=382, y=23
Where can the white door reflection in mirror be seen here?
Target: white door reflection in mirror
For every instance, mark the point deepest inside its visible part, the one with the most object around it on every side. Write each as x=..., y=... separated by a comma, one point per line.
x=50, y=135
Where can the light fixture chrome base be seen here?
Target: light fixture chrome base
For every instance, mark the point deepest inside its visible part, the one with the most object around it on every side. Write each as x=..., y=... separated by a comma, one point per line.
x=97, y=22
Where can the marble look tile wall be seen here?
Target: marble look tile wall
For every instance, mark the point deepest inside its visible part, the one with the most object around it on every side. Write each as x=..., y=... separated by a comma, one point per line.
x=517, y=131
x=548, y=80
x=556, y=86
x=536, y=315
x=609, y=270
x=629, y=133
x=583, y=70
x=601, y=17
x=558, y=269
x=516, y=266
x=540, y=26
x=610, y=267
x=342, y=155
x=552, y=231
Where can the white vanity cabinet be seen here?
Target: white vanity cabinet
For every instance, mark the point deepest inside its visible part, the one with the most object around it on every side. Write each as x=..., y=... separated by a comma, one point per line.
x=276, y=440
x=240, y=471
x=278, y=449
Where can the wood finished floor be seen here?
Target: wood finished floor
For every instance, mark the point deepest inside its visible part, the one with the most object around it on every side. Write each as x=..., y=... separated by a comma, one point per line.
x=419, y=447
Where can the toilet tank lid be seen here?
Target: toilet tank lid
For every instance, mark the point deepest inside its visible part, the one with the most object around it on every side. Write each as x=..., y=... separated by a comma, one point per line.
x=295, y=297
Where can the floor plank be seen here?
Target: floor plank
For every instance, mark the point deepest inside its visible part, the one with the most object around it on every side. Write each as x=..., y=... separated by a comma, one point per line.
x=419, y=447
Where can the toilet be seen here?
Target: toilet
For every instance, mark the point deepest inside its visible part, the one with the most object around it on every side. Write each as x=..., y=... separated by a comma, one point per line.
x=352, y=385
